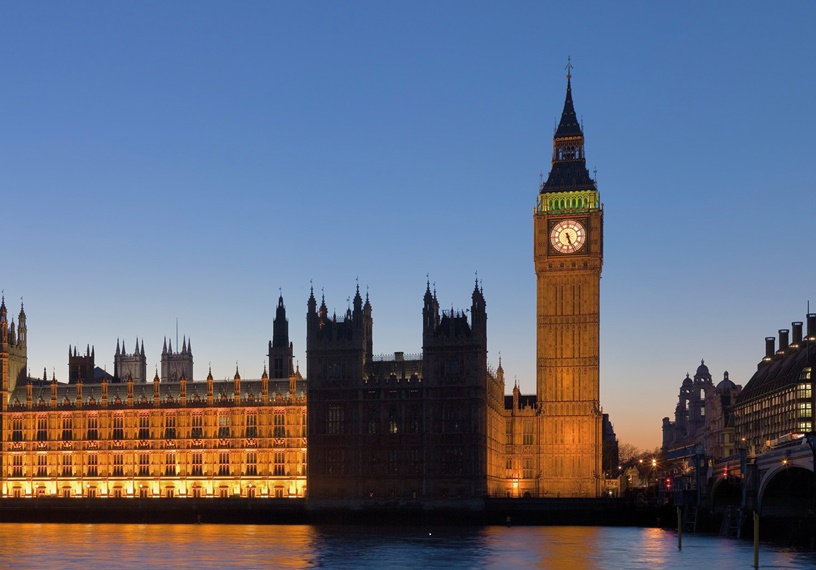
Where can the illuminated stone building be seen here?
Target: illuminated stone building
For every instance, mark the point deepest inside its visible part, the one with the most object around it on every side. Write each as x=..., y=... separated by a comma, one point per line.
x=778, y=400
x=13, y=350
x=236, y=438
x=521, y=437
x=719, y=433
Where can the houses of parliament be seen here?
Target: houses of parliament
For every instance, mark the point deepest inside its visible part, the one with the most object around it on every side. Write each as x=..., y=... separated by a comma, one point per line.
x=431, y=427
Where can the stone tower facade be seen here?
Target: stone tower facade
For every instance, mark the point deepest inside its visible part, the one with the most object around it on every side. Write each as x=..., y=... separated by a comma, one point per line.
x=568, y=253
x=176, y=365
x=130, y=366
x=13, y=351
x=81, y=366
x=412, y=428
x=336, y=353
x=454, y=373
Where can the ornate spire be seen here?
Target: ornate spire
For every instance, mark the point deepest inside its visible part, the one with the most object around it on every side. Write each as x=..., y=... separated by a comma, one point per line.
x=569, y=171
x=358, y=300
x=569, y=125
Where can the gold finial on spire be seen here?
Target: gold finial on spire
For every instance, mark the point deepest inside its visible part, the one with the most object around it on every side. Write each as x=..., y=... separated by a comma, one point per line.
x=569, y=67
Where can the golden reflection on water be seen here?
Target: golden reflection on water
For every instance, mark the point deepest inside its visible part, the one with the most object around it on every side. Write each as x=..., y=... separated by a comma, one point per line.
x=568, y=547
x=550, y=547
x=155, y=546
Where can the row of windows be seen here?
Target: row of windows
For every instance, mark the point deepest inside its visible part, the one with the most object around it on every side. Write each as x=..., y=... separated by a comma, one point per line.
x=527, y=468
x=168, y=466
x=143, y=492
x=168, y=431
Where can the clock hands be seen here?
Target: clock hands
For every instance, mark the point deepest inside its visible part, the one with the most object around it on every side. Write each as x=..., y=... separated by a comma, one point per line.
x=568, y=236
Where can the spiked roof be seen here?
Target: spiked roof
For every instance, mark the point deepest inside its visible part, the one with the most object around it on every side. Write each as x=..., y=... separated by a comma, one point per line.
x=569, y=171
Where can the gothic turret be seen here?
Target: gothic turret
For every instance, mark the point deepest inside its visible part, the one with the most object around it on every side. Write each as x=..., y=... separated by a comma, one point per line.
x=3, y=321
x=80, y=367
x=22, y=329
x=454, y=350
x=174, y=365
x=133, y=365
x=430, y=314
x=478, y=314
x=280, y=349
x=13, y=351
x=368, y=332
x=337, y=350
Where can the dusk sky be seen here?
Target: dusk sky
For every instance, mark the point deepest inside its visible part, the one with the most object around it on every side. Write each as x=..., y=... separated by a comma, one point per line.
x=188, y=160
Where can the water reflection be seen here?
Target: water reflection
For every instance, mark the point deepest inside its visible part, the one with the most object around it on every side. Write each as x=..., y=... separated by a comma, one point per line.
x=156, y=546
x=415, y=547
x=300, y=546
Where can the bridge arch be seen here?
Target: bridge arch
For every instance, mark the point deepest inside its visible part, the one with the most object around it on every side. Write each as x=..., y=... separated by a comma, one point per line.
x=727, y=492
x=786, y=491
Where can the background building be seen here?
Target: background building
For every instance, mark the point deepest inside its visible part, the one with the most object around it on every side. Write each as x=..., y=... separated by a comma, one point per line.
x=778, y=400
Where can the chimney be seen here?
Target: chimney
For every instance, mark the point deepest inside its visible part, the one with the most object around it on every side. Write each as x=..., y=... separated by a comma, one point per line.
x=769, y=347
x=783, y=340
x=797, y=333
x=811, y=326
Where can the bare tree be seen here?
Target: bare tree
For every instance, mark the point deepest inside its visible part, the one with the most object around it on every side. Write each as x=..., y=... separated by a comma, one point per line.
x=628, y=453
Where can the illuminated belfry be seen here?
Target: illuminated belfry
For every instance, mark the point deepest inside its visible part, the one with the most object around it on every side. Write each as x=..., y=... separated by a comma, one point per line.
x=568, y=246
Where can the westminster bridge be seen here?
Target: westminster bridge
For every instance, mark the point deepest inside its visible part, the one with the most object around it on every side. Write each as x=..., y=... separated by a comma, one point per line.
x=777, y=482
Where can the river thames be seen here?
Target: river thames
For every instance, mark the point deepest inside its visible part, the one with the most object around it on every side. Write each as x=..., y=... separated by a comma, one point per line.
x=302, y=546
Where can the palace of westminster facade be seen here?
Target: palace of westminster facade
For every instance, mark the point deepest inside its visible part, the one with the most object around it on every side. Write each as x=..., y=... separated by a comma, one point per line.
x=435, y=426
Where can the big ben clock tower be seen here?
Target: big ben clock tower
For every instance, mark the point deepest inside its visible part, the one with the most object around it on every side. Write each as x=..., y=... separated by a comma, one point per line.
x=568, y=251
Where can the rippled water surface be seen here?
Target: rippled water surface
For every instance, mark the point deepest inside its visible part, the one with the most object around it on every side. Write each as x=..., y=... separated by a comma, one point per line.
x=300, y=546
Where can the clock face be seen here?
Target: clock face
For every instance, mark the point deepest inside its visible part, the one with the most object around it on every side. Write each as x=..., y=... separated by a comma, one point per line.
x=568, y=236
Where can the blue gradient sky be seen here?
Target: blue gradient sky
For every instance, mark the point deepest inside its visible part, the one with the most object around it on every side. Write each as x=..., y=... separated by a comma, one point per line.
x=188, y=159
